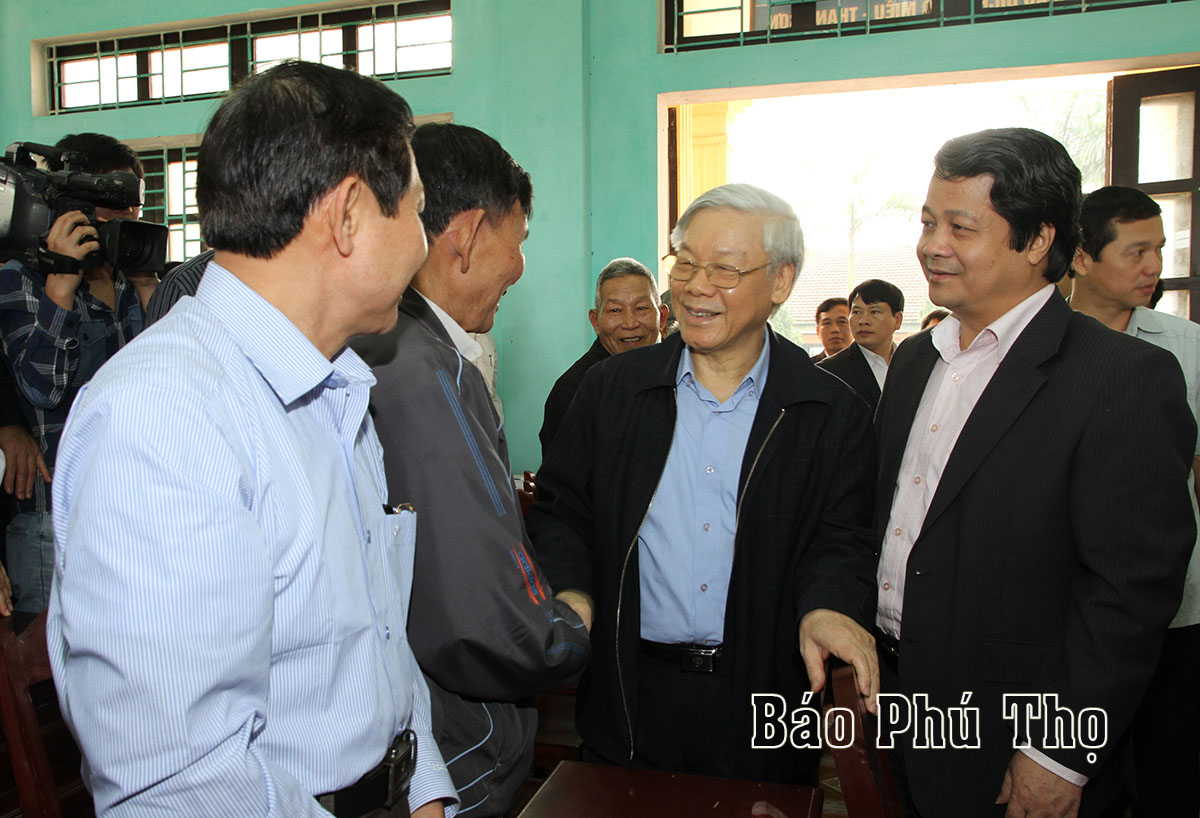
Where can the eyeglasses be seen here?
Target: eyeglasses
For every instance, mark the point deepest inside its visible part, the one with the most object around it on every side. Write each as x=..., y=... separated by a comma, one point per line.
x=725, y=276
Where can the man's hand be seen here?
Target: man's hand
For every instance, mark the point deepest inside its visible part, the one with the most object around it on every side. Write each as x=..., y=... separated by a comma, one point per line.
x=434, y=809
x=824, y=632
x=23, y=460
x=70, y=235
x=581, y=603
x=1032, y=791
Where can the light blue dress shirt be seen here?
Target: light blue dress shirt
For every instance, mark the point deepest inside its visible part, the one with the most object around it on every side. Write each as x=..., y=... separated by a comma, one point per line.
x=685, y=546
x=1181, y=337
x=227, y=621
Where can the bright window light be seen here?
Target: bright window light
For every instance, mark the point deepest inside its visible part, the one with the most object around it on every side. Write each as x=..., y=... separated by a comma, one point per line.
x=405, y=45
x=98, y=81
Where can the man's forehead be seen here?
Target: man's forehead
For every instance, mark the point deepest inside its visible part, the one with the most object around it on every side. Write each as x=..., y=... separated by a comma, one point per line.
x=641, y=283
x=960, y=194
x=724, y=231
x=1140, y=229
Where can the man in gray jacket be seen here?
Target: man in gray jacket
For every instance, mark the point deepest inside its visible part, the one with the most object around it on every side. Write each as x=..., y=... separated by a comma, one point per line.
x=488, y=632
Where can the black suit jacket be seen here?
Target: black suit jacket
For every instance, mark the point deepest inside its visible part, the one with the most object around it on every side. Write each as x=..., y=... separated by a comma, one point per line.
x=1054, y=550
x=851, y=366
x=564, y=390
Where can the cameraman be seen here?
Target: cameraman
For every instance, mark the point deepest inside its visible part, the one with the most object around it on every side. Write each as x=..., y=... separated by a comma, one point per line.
x=57, y=329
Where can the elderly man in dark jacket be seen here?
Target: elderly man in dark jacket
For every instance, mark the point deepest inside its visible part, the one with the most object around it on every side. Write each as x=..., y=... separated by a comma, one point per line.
x=709, y=499
x=487, y=630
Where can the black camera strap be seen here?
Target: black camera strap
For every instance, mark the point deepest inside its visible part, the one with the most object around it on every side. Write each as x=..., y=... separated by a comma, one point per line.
x=51, y=263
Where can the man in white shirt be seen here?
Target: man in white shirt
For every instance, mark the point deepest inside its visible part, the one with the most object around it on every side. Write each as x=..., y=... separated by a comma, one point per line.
x=1115, y=271
x=876, y=311
x=1032, y=504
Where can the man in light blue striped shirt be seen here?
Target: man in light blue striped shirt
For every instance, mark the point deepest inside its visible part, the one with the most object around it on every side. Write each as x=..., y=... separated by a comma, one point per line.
x=227, y=624
x=1114, y=275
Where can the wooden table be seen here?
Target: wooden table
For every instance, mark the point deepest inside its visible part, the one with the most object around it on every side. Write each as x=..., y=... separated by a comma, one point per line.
x=582, y=790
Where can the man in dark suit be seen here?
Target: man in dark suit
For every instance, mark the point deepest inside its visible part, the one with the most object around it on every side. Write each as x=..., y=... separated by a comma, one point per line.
x=876, y=311
x=833, y=327
x=1034, y=511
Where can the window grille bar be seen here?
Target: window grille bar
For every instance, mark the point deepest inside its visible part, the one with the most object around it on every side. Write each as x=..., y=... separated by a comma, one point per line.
x=186, y=64
x=766, y=21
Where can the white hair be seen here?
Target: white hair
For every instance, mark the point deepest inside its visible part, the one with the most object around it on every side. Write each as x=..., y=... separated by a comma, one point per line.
x=783, y=240
x=625, y=266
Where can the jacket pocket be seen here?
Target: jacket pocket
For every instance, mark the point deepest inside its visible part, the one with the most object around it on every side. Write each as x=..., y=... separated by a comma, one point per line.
x=1013, y=662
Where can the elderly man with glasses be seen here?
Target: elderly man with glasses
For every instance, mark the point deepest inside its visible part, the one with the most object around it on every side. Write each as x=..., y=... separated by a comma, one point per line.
x=709, y=498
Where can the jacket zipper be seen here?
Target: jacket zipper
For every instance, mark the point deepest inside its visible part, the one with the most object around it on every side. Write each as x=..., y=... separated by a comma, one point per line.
x=620, y=599
x=737, y=517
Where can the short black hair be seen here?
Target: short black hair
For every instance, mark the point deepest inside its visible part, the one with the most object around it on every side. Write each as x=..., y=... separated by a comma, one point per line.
x=1104, y=207
x=1034, y=182
x=875, y=290
x=934, y=315
x=104, y=154
x=463, y=168
x=828, y=304
x=283, y=139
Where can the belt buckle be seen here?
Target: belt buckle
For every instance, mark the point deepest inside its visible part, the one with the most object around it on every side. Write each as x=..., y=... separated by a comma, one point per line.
x=399, y=760
x=698, y=659
x=887, y=643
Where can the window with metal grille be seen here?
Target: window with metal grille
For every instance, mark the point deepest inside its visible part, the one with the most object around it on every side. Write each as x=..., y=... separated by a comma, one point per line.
x=390, y=41
x=170, y=198
x=696, y=24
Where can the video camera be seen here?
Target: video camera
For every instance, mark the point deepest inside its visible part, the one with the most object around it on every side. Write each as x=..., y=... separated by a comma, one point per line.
x=32, y=199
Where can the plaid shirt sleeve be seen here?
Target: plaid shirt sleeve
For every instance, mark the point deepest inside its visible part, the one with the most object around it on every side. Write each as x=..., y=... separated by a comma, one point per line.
x=40, y=337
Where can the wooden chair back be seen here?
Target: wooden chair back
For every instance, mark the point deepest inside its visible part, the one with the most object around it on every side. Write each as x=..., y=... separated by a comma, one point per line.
x=43, y=790
x=527, y=494
x=868, y=787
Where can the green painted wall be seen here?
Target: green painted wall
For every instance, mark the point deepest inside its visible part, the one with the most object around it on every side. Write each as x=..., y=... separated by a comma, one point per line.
x=570, y=88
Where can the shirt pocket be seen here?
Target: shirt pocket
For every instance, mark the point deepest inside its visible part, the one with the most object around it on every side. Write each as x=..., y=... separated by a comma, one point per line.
x=402, y=537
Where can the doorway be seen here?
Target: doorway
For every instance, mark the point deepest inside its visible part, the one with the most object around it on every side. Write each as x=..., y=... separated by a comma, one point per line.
x=855, y=164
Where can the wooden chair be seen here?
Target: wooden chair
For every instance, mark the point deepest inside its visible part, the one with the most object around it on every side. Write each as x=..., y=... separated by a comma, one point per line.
x=867, y=783
x=44, y=790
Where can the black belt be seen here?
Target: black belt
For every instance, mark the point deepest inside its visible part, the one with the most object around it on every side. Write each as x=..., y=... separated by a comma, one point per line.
x=690, y=658
x=889, y=648
x=381, y=787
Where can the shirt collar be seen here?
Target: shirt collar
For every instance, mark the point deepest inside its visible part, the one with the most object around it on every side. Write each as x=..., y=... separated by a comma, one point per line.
x=1004, y=330
x=871, y=357
x=463, y=342
x=1145, y=319
x=756, y=377
x=283, y=355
